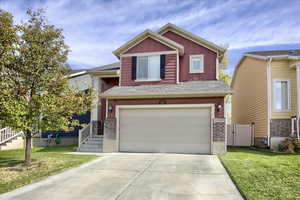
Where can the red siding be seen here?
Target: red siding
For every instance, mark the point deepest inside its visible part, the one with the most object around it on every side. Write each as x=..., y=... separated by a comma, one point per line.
x=148, y=45
x=212, y=100
x=191, y=48
x=107, y=83
x=170, y=72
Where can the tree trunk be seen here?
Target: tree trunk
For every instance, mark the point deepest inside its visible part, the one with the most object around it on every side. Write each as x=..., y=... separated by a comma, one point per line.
x=28, y=148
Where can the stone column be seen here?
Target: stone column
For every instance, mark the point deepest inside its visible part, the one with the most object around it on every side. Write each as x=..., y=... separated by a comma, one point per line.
x=219, y=136
x=110, y=136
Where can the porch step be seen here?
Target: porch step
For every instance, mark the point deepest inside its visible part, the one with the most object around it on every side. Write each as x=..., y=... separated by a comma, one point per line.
x=97, y=136
x=81, y=149
x=93, y=144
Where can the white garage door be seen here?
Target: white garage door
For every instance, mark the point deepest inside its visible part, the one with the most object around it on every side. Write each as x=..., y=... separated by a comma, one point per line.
x=172, y=130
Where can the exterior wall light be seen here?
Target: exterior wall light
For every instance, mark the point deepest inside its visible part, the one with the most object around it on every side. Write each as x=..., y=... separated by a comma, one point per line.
x=110, y=108
x=219, y=107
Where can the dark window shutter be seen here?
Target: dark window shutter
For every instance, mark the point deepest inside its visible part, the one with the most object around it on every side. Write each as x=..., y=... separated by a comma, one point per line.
x=133, y=68
x=162, y=66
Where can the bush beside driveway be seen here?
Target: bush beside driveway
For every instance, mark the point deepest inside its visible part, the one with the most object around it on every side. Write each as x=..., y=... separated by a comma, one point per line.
x=261, y=174
x=46, y=161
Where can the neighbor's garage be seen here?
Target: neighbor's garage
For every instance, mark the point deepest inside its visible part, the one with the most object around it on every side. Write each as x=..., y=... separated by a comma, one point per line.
x=165, y=129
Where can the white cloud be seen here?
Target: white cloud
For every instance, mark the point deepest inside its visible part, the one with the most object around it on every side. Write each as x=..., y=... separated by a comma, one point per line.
x=93, y=29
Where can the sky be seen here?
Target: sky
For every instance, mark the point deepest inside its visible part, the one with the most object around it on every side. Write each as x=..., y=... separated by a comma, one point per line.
x=94, y=28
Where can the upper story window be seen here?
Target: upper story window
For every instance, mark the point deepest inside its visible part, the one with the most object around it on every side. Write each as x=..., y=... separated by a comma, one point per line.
x=282, y=95
x=148, y=68
x=196, y=64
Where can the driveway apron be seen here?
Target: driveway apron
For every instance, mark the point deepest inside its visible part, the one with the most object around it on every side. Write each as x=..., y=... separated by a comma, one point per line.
x=136, y=176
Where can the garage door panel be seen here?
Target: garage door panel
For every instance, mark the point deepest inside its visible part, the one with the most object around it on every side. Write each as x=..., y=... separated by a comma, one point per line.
x=176, y=130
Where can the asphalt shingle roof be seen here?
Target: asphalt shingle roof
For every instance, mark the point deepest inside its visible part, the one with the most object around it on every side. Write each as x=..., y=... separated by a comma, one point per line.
x=204, y=88
x=112, y=66
x=291, y=52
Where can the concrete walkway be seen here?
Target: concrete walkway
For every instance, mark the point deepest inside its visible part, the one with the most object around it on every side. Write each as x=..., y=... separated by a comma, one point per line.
x=136, y=177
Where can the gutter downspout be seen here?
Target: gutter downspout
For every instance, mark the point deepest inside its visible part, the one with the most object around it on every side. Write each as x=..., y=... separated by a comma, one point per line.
x=298, y=99
x=269, y=89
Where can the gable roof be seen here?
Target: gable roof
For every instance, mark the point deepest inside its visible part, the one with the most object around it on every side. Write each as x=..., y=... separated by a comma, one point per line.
x=191, y=36
x=265, y=55
x=148, y=33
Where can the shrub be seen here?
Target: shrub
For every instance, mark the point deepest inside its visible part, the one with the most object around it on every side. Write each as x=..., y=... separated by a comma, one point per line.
x=289, y=145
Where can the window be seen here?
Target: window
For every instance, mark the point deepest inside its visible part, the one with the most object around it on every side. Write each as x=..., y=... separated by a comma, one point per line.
x=196, y=64
x=282, y=95
x=148, y=68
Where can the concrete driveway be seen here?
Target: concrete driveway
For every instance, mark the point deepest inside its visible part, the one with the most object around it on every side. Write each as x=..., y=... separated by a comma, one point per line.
x=136, y=176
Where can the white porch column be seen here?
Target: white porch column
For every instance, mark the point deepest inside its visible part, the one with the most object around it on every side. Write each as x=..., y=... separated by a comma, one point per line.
x=96, y=84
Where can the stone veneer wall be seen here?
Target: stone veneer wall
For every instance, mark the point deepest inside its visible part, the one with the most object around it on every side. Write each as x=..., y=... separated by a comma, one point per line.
x=280, y=127
x=219, y=130
x=219, y=136
x=110, y=136
x=218, y=143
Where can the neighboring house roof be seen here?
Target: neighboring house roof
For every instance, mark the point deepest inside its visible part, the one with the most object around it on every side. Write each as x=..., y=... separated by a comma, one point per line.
x=191, y=36
x=292, y=52
x=182, y=89
x=109, y=68
x=113, y=66
x=148, y=33
x=75, y=73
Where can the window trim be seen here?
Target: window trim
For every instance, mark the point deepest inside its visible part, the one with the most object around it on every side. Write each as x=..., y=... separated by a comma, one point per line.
x=289, y=95
x=191, y=63
x=149, y=79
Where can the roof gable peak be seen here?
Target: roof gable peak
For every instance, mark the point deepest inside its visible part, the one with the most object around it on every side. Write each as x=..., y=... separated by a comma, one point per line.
x=145, y=34
x=190, y=36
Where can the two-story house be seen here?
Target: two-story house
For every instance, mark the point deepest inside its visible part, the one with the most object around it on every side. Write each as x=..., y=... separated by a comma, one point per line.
x=266, y=92
x=168, y=97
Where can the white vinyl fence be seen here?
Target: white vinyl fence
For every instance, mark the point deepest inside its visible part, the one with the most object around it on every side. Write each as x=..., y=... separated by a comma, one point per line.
x=240, y=135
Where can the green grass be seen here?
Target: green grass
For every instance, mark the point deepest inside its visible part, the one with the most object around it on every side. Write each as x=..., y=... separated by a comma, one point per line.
x=47, y=161
x=261, y=174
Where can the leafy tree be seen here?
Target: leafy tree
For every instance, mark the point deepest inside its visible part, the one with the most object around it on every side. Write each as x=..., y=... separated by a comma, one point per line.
x=33, y=78
x=224, y=66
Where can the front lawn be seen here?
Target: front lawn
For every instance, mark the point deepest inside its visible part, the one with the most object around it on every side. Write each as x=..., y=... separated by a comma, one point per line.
x=46, y=161
x=261, y=174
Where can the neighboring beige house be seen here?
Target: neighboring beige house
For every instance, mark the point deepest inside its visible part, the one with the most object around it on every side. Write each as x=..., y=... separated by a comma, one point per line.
x=265, y=85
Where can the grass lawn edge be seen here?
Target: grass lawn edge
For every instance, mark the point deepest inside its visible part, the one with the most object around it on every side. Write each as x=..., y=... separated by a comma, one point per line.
x=52, y=173
x=232, y=179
